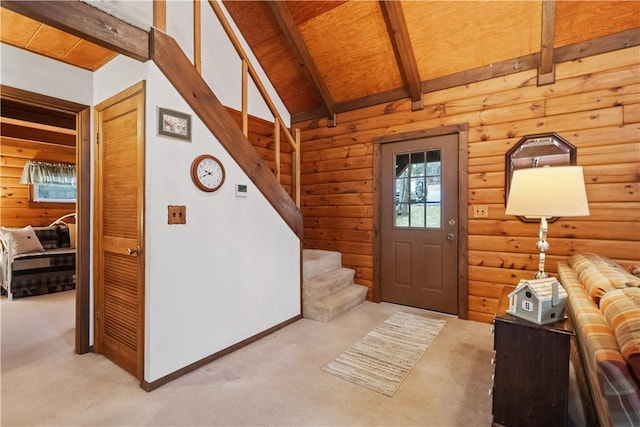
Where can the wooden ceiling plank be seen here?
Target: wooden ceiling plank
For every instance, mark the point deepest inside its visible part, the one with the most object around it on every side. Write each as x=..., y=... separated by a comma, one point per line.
x=405, y=57
x=31, y=134
x=34, y=125
x=546, y=71
x=85, y=21
x=285, y=20
x=33, y=113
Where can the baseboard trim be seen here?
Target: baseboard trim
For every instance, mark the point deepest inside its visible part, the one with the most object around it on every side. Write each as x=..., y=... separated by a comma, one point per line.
x=150, y=386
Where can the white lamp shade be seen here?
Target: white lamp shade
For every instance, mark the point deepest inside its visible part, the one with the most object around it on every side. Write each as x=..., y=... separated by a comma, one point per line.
x=548, y=191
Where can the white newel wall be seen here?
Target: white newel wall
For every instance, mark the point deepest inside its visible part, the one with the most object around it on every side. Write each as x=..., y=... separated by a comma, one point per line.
x=233, y=270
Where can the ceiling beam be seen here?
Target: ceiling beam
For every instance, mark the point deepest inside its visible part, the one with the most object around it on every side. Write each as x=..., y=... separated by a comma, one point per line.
x=405, y=57
x=572, y=52
x=88, y=23
x=303, y=56
x=546, y=71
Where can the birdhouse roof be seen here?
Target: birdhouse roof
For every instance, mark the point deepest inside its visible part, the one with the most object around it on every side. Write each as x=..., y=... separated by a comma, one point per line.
x=541, y=288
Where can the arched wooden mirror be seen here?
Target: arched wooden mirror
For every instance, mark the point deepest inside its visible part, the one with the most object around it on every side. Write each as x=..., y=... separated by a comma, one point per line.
x=546, y=149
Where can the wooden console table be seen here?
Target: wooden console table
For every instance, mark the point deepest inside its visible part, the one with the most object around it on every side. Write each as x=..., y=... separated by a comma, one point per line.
x=531, y=384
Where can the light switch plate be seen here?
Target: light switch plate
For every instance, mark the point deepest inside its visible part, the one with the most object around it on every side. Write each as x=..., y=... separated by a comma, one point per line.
x=177, y=214
x=480, y=211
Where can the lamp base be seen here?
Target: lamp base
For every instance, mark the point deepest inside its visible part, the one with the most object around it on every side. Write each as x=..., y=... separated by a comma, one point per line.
x=542, y=246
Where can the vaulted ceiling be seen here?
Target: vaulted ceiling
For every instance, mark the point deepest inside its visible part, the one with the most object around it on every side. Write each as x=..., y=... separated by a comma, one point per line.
x=327, y=57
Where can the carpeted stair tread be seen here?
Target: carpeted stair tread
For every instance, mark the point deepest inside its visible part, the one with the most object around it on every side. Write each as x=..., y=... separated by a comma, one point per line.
x=327, y=283
x=317, y=261
x=330, y=306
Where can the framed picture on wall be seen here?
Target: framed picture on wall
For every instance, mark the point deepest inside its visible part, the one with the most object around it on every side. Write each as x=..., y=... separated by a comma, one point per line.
x=174, y=124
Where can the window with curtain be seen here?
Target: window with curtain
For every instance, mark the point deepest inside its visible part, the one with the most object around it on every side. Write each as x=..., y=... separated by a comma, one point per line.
x=51, y=182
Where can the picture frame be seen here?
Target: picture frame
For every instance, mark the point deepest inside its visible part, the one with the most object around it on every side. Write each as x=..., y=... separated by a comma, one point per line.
x=174, y=124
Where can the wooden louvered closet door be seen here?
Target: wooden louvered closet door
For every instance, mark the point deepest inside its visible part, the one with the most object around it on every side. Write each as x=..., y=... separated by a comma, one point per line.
x=119, y=262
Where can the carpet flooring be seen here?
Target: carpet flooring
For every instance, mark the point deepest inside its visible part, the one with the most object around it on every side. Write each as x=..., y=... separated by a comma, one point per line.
x=382, y=359
x=276, y=381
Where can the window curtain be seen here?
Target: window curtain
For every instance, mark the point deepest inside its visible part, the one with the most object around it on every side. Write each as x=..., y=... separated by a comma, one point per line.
x=48, y=173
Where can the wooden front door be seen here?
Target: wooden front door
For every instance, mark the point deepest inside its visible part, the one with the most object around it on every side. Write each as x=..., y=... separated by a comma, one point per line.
x=119, y=207
x=419, y=223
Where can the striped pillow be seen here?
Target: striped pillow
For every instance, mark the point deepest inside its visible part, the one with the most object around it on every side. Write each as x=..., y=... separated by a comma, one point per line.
x=600, y=275
x=621, y=308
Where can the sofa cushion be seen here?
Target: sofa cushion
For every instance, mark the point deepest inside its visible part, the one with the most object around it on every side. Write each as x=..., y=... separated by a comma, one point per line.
x=621, y=308
x=64, y=236
x=599, y=275
x=49, y=236
x=22, y=240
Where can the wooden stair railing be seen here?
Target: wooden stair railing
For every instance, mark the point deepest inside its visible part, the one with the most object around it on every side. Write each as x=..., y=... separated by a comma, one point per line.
x=178, y=69
x=279, y=124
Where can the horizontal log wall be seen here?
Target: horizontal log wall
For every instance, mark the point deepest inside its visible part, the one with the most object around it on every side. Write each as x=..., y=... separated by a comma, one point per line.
x=594, y=104
x=14, y=197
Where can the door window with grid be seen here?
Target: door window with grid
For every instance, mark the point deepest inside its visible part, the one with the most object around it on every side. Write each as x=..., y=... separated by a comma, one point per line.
x=418, y=199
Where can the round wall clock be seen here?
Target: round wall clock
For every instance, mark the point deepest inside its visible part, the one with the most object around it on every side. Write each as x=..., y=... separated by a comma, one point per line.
x=207, y=173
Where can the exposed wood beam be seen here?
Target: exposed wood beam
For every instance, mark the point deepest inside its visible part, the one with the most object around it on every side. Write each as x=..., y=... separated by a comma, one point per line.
x=88, y=23
x=303, y=56
x=405, y=57
x=546, y=71
x=571, y=52
x=19, y=129
x=597, y=46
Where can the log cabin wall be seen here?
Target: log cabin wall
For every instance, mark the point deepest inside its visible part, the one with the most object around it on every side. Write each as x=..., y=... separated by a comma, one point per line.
x=17, y=210
x=32, y=133
x=594, y=104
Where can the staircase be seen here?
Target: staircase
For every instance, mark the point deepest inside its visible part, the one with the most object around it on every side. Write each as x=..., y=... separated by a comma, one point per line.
x=327, y=288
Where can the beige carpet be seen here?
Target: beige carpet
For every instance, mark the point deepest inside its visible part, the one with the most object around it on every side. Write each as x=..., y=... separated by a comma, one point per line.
x=277, y=381
x=382, y=359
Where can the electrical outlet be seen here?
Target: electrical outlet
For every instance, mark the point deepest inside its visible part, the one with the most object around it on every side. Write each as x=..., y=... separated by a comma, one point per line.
x=177, y=214
x=480, y=211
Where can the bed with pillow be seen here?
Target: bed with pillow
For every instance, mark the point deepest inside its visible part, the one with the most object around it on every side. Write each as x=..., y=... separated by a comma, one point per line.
x=37, y=260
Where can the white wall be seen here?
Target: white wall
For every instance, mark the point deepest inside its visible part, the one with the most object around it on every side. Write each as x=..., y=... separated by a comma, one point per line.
x=23, y=70
x=232, y=271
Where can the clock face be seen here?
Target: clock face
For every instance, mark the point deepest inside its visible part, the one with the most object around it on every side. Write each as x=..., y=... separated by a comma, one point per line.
x=207, y=173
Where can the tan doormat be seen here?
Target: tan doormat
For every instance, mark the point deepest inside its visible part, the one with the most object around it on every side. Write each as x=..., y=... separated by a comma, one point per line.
x=382, y=359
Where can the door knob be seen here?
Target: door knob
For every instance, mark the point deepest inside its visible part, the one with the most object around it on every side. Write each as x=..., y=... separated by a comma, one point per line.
x=451, y=236
x=133, y=251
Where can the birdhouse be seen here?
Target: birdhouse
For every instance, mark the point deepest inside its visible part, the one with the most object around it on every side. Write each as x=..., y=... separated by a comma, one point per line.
x=540, y=301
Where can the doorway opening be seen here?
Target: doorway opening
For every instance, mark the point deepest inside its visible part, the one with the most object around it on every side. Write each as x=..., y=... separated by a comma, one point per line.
x=83, y=178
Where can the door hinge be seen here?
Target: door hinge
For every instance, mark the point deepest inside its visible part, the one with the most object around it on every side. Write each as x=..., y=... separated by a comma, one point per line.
x=97, y=314
x=97, y=138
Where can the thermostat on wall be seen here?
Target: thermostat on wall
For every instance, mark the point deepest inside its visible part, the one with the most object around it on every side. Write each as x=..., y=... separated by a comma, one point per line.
x=241, y=190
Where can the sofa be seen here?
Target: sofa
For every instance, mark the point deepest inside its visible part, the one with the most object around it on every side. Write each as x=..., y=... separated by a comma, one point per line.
x=37, y=260
x=604, y=306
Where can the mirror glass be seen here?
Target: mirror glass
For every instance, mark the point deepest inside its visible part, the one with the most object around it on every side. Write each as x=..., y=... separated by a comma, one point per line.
x=548, y=149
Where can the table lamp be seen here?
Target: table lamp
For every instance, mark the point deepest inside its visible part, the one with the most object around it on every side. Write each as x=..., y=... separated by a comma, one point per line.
x=550, y=191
